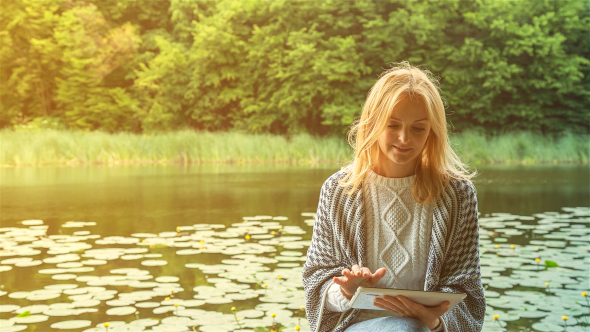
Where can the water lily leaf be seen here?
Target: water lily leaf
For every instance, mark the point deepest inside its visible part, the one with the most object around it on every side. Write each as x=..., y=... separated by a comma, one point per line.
x=71, y=324
x=544, y=327
x=167, y=279
x=60, y=312
x=121, y=311
x=24, y=314
x=145, y=322
x=32, y=222
x=86, y=303
x=30, y=319
x=8, y=307
x=14, y=328
x=550, y=264
x=154, y=262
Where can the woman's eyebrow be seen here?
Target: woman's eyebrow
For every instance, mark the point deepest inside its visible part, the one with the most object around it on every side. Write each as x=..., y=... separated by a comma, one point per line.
x=414, y=121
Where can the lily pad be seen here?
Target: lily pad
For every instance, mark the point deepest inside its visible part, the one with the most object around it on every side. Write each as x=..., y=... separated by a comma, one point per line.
x=30, y=319
x=121, y=311
x=154, y=262
x=71, y=324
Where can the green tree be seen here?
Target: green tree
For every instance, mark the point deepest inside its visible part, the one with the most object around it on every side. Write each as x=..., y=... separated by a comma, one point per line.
x=90, y=51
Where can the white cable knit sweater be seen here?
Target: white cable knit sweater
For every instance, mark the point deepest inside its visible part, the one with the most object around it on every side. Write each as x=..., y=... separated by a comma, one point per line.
x=398, y=238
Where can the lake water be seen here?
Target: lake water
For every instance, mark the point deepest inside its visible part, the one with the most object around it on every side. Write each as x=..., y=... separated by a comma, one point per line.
x=120, y=236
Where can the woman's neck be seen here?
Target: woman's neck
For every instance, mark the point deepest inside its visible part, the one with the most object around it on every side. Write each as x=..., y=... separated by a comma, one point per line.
x=391, y=170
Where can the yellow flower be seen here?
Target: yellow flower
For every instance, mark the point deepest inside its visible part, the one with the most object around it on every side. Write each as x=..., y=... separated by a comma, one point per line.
x=273, y=232
x=247, y=237
x=172, y=290
x=233, y=308
x=564, y=317
x=176, y=304
x=265, y=285
x=302, y=308
x=279, y=277
x=512, y=246
x=485, y=250
x=584, y=293
x=297, y=328
x=496, y=316
x=273, y=315
x=239, y=319
x=106, y=324
x=546, y=284
x=166, y=299
x=497, y=246
x=177, y=229
x=201, y=242
x=537, y=260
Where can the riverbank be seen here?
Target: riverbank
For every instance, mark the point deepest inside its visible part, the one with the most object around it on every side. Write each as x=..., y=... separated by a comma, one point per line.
x=46, y=147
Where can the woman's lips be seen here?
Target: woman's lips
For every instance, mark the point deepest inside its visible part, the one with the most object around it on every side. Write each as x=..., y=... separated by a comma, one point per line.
x=402, y=150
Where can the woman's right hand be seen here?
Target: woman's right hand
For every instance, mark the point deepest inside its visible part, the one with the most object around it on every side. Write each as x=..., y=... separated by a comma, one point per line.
x=356, y=277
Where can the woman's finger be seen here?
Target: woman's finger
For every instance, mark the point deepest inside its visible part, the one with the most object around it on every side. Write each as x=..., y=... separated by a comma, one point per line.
x=383, y=306
x=399, y=305
x=391, y=307
x=374, y=279
x=412, y=306
x=356, y=270
x=365, y=272
x=346, y=272
x=340, y=280
x=440, y=309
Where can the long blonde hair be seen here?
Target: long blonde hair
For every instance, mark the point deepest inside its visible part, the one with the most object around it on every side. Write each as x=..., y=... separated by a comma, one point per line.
x=437, y=162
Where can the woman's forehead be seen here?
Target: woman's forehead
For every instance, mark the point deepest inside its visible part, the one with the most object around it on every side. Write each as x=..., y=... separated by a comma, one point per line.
x=409, y=110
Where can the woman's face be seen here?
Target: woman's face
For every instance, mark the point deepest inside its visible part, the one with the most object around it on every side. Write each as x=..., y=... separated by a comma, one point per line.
x=403, y=139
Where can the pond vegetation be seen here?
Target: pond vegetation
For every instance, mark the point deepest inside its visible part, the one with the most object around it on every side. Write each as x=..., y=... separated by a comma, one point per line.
x=41, y=147
x=249, y=275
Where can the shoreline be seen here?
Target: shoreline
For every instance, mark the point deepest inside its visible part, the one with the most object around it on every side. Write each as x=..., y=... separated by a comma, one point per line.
x=38, y=148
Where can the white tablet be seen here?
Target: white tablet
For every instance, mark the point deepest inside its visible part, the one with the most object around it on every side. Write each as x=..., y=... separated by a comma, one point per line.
x=364, y=297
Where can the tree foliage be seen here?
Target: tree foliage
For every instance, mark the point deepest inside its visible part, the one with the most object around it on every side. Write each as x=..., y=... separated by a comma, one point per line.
x=290, y=66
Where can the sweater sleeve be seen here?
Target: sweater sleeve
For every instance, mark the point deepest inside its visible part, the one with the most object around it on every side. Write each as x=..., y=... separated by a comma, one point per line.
x=461, y=272
x=336, y=301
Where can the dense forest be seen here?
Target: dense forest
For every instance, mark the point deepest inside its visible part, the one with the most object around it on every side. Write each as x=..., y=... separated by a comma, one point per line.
x=287, y=67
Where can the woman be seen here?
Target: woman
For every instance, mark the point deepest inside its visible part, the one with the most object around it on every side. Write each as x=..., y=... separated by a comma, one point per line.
x=402, y=215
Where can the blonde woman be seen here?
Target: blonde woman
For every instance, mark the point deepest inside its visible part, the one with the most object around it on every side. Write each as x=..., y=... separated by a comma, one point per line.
x=402, y=214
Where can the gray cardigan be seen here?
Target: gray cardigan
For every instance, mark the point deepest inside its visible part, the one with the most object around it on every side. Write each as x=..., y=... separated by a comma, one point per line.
x=338, y=242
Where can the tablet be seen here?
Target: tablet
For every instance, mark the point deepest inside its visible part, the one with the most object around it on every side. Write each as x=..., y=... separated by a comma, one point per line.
x=364, y=297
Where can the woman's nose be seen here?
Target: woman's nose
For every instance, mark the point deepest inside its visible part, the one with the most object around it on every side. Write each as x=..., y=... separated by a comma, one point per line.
x=404, y=136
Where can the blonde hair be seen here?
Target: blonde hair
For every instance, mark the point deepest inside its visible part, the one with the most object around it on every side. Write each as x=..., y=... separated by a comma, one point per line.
x=437, y=162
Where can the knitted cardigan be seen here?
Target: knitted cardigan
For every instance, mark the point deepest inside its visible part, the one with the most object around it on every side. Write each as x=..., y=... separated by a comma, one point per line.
x=453, y=261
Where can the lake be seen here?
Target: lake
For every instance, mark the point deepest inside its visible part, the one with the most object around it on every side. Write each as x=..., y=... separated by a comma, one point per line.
x=177, y=247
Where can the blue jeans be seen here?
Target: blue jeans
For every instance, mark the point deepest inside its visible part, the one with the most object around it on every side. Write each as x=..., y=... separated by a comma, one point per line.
x=396, y=324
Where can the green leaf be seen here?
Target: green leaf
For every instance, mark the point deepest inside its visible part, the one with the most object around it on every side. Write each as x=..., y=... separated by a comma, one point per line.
x=551, y=264
x=24, y=314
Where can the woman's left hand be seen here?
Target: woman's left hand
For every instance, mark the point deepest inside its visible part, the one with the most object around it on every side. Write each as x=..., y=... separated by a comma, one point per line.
x=408, y=308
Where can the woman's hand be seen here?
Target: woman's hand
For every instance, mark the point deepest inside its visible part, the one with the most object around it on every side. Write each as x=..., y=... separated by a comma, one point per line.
x=356, y=277
x=407, y=308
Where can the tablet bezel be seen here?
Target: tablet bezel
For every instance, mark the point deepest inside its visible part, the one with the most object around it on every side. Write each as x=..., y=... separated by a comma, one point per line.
x=421, y=297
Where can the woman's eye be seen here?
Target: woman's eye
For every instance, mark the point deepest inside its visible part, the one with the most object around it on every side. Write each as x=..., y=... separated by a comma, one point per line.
x=392, y=126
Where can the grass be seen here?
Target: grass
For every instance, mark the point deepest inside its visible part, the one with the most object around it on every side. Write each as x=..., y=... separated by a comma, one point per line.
x=42, y=147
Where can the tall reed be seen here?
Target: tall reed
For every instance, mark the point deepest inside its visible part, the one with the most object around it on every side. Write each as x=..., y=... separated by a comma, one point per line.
x=40, y=147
